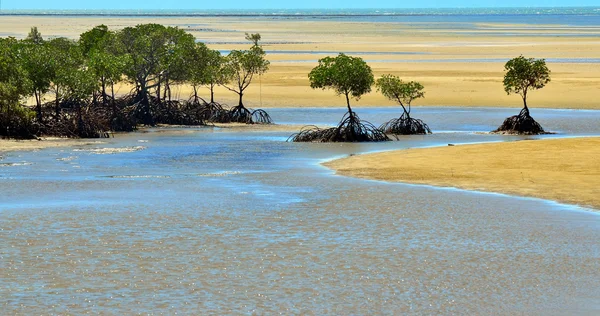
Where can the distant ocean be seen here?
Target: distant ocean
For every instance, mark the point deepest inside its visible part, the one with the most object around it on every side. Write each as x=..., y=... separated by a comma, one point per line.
x=581, y=16
x=321, y=12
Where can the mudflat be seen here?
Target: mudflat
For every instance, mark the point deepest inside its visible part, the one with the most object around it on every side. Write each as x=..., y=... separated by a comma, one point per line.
x=566, y=170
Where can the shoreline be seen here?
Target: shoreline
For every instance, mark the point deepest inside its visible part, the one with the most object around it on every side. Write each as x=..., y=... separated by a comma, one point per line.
x=564, y=170
x=12, y=145
x=15, y=145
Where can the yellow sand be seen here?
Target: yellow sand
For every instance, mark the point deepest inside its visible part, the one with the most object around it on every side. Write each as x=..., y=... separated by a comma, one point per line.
x=446, y=83
x=566, y=170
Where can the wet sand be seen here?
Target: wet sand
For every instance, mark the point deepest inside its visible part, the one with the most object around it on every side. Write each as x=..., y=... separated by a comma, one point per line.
x=7, y=145
x=566, y=170
x=417, y=51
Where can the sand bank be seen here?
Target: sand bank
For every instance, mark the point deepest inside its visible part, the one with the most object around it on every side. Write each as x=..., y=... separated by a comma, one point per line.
x=7, y=145
x=439, y=57
x=566, y=170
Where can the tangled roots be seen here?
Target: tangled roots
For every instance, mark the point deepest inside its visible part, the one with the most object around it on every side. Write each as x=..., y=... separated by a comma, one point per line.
x=208, y=111
x=405, y=125
x=240, y=114
x=261, y=117
x=522, y=124
x=350, y=129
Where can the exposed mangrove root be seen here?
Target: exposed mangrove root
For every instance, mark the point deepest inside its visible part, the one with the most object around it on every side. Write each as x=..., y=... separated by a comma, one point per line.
x=240, y=114
x=522, y=124
x=17, y=122
x=89, y=119
x=211, y=110
x=176, y=113
x=261, y=117
x=350, y=129
x=75, y=119
x=405, y=125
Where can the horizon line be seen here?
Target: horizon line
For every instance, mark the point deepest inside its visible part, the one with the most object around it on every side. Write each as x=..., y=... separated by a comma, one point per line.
x=316, y=8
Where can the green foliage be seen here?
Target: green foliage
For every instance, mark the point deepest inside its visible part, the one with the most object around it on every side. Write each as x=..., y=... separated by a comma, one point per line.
x=37, y=61
x=155, y=53
x=145, y=47
x=104, y=57
x=243, y=65
x=96, y=39
x=15, y=120
x=207, y=68
x=70, y=80
x=346, y=75
x=254, y=38
x=397, y=90
x=34, y=36
x=77, y=74
x=524, y=74
x=14, y=83
x=174, y=62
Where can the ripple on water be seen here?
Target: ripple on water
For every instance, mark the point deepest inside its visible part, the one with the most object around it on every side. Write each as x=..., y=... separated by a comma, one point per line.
x=283, y=235
x=219, y=174
x=15, y=164
x=110, y=151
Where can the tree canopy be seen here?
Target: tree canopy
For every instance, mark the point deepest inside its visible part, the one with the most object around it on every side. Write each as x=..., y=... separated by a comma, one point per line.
x=397, y=90
x=346, y=75
x=404, y=93
x=524, y=74
x=78, y=79
x=243, y=65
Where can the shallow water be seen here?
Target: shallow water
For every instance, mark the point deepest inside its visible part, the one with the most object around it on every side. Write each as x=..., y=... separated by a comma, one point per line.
x=220, y=221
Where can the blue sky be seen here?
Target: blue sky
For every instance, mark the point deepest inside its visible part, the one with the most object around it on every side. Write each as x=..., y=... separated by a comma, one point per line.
x=280, y=4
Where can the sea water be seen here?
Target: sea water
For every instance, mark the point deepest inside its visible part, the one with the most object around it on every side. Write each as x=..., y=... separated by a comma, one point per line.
x=216, y=221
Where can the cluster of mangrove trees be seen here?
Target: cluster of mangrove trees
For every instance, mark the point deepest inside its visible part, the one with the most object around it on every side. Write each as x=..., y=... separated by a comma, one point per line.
x=351, y=77
x=72, y=85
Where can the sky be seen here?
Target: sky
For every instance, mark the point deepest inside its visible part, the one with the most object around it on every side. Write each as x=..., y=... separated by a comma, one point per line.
x=279, y=4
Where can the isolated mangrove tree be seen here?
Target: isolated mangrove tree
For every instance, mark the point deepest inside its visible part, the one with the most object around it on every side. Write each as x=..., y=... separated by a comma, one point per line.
x=404, y=93
x=523, y=75
x=242, y=66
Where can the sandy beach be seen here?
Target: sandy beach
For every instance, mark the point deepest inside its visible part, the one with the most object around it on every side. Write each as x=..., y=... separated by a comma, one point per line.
x=566, y=170
x=458, y=67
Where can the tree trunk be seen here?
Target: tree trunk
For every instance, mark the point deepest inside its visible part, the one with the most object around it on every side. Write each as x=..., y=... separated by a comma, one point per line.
x=241, y=103
x=158, y=90
x=104, y=101
x=348, y=103
x=146, y=105
x=114, y=105
x=212, y=94
x=38, y=107
x=525, y=102
x=56, y=105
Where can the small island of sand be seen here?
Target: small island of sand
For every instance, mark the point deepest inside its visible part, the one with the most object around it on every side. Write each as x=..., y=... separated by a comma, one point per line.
x=566, y=170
